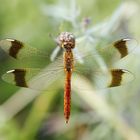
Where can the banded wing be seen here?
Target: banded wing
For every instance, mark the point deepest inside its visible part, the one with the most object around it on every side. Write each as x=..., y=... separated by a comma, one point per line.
x=109, y=77
x=110, y=52
x=113, y=78
x=116, y=51
x=106, y=79
x=32, y=78
x=122, y=47
x=18, y=50
x=23, y=77
x=38, y=79
x=119, y=49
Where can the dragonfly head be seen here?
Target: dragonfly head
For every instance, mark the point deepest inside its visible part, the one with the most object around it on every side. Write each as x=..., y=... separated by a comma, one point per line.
x=66, y=40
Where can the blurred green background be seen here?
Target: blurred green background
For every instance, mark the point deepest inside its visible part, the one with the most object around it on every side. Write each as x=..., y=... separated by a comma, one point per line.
x=96, y=114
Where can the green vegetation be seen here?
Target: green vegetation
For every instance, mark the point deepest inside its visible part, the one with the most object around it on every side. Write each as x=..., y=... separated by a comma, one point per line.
x=109, y=114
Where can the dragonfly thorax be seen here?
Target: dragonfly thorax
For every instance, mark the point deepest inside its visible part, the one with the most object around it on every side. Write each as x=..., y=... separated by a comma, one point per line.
x=66, y=40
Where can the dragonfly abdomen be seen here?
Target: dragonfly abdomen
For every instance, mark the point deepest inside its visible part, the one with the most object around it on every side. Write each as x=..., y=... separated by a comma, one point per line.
x=68, y=67
x=67, y=96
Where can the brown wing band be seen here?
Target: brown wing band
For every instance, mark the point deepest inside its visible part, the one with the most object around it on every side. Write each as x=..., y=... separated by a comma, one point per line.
x=121, y=47
x=15, y=48
x=116, y=77
x=19, y=75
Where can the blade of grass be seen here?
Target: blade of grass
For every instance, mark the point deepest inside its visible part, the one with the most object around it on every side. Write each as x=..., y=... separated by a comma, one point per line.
x=98, y=103
x=24, y=96
x=39, y=111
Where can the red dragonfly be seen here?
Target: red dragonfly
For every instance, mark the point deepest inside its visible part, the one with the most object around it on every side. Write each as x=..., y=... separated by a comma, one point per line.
x=66, y=40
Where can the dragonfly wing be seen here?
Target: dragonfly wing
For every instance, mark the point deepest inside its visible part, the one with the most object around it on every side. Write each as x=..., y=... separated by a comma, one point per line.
x=112, y=53
x=125, y=46
x=19, y=77
x=107, y=79
x=119, y=49
x=31, y=77
x=18, y=49
x=112, y=78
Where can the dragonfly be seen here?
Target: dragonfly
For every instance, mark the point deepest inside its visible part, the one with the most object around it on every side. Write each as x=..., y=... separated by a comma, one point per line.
x=67, y=41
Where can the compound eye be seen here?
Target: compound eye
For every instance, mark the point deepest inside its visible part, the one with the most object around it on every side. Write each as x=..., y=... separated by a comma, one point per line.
x=64, y=45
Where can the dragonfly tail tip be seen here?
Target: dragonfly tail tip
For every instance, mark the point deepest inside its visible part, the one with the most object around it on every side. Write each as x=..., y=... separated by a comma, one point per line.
x=67, y=120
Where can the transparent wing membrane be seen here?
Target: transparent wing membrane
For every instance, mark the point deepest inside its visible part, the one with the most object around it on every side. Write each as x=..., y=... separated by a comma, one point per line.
x=19, y=50
x=27, y=77
x=85, y=64
x=118, y=49
x=113, y=78
x=26, y=54
x=20, y=77
x=107, y=79
x=115, y=51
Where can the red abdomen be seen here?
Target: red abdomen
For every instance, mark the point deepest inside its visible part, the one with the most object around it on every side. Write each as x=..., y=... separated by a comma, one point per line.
x=67, y=96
